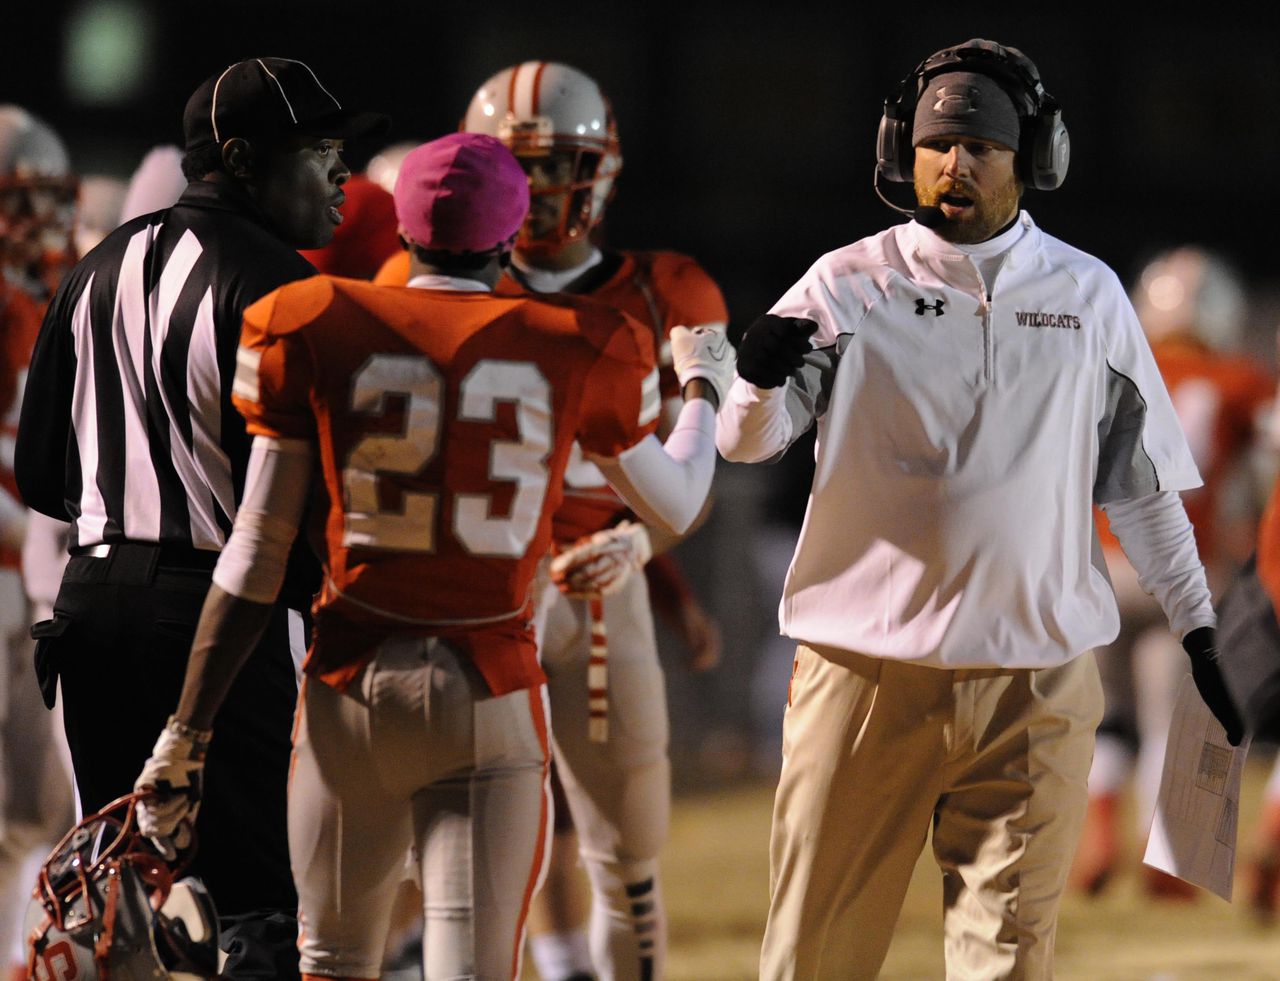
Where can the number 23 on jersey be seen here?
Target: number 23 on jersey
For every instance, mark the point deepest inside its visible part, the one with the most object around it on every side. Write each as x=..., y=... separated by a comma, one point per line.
x=376, y=457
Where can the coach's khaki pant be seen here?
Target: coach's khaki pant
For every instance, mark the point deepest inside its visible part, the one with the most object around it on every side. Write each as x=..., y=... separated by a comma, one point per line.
x=875, y=750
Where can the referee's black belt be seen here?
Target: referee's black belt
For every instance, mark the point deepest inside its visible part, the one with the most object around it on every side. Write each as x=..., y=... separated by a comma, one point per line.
x=169, y=555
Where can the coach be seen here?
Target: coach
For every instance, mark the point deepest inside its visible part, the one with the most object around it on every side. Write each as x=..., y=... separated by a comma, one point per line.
x=129, y=433
x=977, y=385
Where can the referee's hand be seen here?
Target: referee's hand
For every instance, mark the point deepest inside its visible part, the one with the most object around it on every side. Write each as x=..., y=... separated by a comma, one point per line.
x=773, y=348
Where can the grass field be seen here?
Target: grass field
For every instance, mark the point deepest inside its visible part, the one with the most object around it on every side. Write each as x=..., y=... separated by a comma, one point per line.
x=716, y=881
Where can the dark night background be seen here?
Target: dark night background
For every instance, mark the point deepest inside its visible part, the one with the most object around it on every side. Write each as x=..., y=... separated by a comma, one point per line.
x=748, y=135
x=747, y=128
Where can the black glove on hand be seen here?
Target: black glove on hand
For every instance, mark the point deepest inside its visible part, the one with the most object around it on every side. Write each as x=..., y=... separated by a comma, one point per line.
x=1202, y=646
x=773, y=348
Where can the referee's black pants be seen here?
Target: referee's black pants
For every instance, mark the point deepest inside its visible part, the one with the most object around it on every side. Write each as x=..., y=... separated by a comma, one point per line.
x=120, y=639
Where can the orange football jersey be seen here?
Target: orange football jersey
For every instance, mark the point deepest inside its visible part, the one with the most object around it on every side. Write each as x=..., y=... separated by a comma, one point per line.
x=660, y=290
x=1269, y=548
x=19, y=324
x=443, y=421
x=1218, y=398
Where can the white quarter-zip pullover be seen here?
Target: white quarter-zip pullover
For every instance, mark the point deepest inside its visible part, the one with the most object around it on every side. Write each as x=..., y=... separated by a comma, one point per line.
x=965, y=428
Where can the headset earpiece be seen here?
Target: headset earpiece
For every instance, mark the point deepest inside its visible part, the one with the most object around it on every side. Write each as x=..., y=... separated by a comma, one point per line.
x=895, y=156
x=1045, y=153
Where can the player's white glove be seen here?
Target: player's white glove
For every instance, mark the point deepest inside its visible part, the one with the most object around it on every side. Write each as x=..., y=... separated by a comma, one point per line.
x=601, y=563
x=703, y=352
x=173, y=778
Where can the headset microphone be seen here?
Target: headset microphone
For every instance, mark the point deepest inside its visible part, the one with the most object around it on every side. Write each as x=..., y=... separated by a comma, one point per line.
x=875, y=186
x=929, y=215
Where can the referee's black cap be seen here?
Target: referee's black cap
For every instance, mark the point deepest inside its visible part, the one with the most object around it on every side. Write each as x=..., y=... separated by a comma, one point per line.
x=265, y=97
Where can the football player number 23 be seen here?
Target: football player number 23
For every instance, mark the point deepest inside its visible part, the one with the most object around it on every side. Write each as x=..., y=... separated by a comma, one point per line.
x=521, y=461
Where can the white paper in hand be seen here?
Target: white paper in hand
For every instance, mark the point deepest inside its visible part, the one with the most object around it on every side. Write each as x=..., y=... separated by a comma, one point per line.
x=1193, y=831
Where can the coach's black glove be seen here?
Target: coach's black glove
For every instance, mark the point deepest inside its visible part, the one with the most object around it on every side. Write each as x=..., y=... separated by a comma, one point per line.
x=1202, y=646
x=773, y=348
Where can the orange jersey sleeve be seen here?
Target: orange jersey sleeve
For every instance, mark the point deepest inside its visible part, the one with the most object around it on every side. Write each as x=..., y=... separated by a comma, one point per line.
x=620, y=401
x=19, y=324
x=664, y=290
x=658, y=290
x=1218, y=399
x=395, y=271
x=273, y=382
x=443, y=422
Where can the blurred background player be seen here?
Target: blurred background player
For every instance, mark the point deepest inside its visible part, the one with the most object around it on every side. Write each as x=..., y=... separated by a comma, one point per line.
x=443, y=457
x=1191, y=305
x=37, y=212
x=617, y=781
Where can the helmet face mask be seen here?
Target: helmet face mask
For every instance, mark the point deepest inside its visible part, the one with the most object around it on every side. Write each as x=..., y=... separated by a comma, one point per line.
x=562, y=189
x=105, y=906
x=37, y=215
x=561, y=128
x=37, y=201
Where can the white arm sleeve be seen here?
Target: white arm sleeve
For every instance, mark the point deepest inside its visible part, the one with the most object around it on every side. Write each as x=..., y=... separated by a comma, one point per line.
x=1160, y=543
x=44, y=556
x=667, y=484
x=754, y=424
x=252, y=564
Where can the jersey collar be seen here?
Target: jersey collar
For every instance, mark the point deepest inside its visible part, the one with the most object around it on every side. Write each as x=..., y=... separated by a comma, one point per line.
x=944, y=258
x=435, y=281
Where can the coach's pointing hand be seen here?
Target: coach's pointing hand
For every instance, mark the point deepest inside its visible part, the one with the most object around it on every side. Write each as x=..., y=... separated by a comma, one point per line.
x=773, y=348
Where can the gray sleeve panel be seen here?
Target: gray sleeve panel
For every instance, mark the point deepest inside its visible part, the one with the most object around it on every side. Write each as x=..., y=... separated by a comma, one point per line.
x=1124, y=468
x=809, y=389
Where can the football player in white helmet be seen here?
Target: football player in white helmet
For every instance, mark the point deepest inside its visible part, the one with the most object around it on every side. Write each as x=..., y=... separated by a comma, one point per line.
x=1191, y=305
x=608, y=701
x=37, y=203
x=37, y=207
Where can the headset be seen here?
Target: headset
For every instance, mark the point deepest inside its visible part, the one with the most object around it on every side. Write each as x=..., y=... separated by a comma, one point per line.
x=1044, y=148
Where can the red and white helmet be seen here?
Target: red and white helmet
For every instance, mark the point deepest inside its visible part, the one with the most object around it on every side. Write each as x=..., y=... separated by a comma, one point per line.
x=544, y=108
x=37, y=200
x=1190, y=291
x=106, y=908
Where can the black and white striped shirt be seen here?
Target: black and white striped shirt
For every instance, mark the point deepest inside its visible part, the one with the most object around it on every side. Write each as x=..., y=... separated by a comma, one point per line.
x=127, y=425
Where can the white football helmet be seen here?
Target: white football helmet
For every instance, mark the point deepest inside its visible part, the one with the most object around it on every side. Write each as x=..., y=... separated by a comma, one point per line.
x=384, y=166
x=37, y=202
x=1188, y=290
x=544, y=109
x=106, y=908
x=97, y=210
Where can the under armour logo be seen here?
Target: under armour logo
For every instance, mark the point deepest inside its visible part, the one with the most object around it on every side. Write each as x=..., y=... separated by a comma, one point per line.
x=956, y=100
x=936, y=306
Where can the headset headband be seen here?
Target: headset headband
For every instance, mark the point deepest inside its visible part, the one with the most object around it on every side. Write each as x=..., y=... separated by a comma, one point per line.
x=1009, y=67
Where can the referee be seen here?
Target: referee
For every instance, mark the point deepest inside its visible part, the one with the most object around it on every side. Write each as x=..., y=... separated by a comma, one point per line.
x=128, y=432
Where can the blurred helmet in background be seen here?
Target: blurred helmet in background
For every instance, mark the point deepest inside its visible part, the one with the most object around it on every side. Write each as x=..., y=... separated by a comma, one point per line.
x=37, y=200
x=1190, y=291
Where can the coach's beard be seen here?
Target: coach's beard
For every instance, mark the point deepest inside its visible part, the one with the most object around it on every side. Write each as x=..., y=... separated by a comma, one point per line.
x=982, y=218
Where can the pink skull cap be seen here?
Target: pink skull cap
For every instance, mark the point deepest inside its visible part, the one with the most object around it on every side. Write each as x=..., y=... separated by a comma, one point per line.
x=464, y=192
